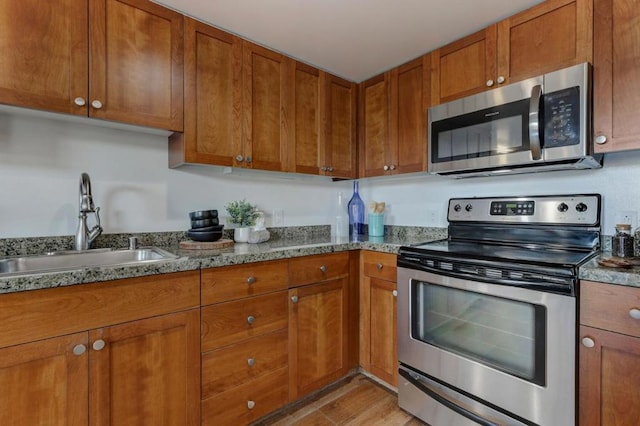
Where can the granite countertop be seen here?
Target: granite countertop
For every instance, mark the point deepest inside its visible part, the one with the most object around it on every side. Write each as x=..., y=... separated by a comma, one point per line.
x=592, y=271
x=284, y=246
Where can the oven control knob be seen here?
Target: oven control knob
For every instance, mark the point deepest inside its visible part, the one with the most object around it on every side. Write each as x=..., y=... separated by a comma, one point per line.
x=468, y=207
x=457, y=207
x=581, y=207
x=563, y=207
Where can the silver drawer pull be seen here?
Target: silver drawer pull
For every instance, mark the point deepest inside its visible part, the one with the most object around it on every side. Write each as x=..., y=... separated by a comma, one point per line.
x=79, y=349
x=251, y=404
x=251, y=319
x=379, y=266
x=634, y=313
x=251, y=280
x=251, y=362
x=395, y=293
x=294, y=299
x=588, y=342
x=323, y=268
x=98, y=345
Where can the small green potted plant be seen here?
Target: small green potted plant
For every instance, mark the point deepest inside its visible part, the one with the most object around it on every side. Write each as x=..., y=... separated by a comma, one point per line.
x=243, y=215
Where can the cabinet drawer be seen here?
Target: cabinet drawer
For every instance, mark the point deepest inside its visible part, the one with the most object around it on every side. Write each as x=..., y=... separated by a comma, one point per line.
x=248, y=402
x=313, y=269
x=609, y=307
x=231, y=322
x=233, y=365
x=39, y=314
x=235, y=282
x=379, y=265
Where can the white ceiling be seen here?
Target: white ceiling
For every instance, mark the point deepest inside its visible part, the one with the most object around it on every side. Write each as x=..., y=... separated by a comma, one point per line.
x=354, y=39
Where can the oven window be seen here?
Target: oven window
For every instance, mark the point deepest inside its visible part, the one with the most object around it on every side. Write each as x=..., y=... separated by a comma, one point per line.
x=505, y=334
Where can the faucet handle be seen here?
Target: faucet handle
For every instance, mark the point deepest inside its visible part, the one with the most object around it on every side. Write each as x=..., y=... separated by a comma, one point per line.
x=97, y=212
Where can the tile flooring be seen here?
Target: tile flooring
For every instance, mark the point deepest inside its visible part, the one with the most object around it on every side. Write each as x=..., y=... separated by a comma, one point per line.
x=356, y=401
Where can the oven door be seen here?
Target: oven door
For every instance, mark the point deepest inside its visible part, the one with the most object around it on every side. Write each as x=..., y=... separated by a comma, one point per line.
x=507, y=348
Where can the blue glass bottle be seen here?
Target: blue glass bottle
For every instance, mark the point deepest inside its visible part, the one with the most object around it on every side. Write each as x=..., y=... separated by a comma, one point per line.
x=356, y=212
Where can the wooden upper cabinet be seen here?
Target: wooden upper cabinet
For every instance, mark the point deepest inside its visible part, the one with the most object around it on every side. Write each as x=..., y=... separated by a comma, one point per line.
x=213, y=92
x=552, y=35
x=43, y=46
x=393, y=125
x=266, y=86
x=616, y=61
x=136, y=63
x=118, y=60
x=340, y=127
x=463, y=67
x=324, y=122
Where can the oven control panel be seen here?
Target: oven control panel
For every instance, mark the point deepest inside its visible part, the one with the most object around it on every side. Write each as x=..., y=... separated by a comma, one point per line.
x=581, y=210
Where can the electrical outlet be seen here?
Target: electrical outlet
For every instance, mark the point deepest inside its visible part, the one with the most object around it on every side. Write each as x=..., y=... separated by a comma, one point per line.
x=627, y=216
x=278, y=217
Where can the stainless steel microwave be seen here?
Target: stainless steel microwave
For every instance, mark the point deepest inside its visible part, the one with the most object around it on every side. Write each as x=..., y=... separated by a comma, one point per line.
x=542, y=123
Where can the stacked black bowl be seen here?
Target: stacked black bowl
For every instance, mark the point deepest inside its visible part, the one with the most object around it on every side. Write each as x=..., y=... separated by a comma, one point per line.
x=205, y=226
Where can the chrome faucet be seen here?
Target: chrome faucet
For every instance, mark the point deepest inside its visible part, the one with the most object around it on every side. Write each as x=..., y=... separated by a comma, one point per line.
x=84, y=235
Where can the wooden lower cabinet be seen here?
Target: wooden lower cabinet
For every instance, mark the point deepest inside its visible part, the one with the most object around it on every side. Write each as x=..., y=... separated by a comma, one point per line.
x=609, y=355
x=318, y=331
x=378, y=315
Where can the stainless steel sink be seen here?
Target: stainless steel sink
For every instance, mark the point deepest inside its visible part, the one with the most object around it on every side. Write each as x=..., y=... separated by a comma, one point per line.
x=69, y=260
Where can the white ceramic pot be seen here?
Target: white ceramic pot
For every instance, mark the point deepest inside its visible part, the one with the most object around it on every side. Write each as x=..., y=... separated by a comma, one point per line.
x=241, y=235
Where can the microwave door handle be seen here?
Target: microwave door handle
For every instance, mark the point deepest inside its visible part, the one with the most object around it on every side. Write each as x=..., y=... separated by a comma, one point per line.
x=534, y=122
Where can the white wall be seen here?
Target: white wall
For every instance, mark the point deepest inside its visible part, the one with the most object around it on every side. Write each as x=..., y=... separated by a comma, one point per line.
x=41, y=160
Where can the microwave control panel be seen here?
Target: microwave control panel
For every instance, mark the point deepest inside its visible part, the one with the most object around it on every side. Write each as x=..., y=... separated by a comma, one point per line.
x=562, y=118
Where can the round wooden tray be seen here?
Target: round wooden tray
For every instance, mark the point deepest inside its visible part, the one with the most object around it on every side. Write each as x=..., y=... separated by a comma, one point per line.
x=206, y=245
x=618, y=262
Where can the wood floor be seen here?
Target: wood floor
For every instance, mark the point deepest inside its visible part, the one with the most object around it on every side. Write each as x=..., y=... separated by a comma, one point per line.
x=358, y=401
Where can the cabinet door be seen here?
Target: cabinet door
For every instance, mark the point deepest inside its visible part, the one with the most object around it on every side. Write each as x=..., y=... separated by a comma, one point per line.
x=384, y=340
x=374, y=126
x=552, y=35
x=148, y=372
x=340, y=127
x=266, y=87
x=318, y=329
x=136, y=63
x=45, y=383
x=306, y=150
x=213, y=93
x=609, y=377
x=410, y=96
x=616, y=60
x=43, y=46
x=464, y=67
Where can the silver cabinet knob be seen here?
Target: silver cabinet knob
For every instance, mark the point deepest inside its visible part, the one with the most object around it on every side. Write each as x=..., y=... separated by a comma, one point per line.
x=251, y=319
x=98, y=345
x=79, y=349
x=251, y=362
x=323, y=268
x=251, y=404
x=239, y=158
x=600, y=139
x=392, y=167
x=395, y=293
x=489, y=83
x=385, y=168
x=323, y=168
x=96, y=104
x=329, y=169
x=294, y=299
x=80, y=101
x=251, y=280
x=634, y=313
x=588, y=342
x=500, y=79
x=379, y=266
x=247, y=159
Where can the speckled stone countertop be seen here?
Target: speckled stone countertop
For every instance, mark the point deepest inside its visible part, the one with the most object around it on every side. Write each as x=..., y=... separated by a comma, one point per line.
x=591, y=271
x=284, y=243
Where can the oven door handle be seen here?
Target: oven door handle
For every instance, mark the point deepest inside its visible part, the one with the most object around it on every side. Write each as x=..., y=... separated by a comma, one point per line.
x=534, y=122
x=445, y=401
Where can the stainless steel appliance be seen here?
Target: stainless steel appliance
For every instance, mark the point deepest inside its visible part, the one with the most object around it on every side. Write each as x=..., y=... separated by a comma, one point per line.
x=542, y=123
x=487, y=317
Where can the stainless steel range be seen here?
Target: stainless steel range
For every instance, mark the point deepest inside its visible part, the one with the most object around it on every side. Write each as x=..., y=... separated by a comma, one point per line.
x=487, y=318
